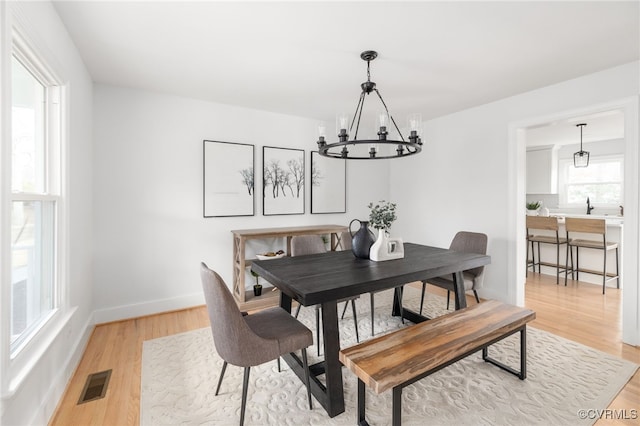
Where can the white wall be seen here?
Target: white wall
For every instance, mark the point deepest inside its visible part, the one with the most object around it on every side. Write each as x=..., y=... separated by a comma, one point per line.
x=599, y=148
x=463, y=180
x=35, y=399
x=150, y=234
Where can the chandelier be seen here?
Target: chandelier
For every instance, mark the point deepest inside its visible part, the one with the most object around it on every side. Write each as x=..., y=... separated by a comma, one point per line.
x=581, y=158
x=401, y=148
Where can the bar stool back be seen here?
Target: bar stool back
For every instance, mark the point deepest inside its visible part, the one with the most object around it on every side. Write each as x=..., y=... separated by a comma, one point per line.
x=590, y=226
x=541, y=223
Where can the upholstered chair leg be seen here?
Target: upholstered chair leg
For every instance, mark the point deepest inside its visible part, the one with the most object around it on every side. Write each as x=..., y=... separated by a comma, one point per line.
x=346, y=305
x=297, y=310
x=424, y=285
x=448, y=298
x=245, y=385
x=224, y=368
x=372, y=305
x=279, y=370
x=305, y=366
x=355, y=318
x=475, y=293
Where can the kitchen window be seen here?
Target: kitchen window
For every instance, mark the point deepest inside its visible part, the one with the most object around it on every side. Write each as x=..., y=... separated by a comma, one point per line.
x=601, y=182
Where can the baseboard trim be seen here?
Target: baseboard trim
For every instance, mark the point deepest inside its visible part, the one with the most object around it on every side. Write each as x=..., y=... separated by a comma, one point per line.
x=59, y=386
x=152, y=307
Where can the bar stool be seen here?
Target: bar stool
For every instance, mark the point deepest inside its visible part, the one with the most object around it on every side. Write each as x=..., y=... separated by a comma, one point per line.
x=590, y=226
x=542, y=223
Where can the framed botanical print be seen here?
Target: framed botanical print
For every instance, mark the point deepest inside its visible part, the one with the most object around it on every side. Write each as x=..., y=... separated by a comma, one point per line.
x=228, y=172
x=328, y=184
x=283, y=181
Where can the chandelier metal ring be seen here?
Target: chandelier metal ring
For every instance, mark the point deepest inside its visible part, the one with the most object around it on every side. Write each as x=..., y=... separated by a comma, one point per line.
x=409, y=148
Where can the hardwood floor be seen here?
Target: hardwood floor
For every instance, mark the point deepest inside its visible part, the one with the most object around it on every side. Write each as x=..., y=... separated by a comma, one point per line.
x=577, y=312
x=580, y=312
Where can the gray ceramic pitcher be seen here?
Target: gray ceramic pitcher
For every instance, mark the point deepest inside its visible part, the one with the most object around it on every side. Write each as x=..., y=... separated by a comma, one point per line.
x=362, y=240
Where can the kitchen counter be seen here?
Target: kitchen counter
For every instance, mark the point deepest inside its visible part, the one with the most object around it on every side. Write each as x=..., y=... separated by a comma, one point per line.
x=611, y=220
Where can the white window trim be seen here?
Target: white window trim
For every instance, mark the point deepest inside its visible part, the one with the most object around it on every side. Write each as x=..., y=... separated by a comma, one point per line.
x=568, y=162
x=16, y=366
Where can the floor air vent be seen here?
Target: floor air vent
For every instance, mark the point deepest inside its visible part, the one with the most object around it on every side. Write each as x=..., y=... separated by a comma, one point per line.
x=95, y=387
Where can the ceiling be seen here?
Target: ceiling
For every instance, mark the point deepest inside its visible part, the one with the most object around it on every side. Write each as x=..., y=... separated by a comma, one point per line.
x=600, y=126
x=303, y=58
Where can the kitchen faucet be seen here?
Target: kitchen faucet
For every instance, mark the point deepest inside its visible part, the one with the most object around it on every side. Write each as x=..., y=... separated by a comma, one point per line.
x=589, y=206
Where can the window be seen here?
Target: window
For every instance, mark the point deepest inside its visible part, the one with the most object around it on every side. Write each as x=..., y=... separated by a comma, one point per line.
x=35, y=197
x=601, y=182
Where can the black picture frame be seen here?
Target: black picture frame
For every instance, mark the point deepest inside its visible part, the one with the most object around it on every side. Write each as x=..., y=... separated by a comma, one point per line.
x=228, y=177
x=328, y=183
x=283, y=181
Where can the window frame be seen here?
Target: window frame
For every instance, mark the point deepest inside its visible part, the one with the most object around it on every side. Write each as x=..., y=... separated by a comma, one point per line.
x=565, y=163
x=17, y=361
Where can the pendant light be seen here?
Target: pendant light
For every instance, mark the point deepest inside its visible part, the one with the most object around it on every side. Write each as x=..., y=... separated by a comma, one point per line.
x=581, y=158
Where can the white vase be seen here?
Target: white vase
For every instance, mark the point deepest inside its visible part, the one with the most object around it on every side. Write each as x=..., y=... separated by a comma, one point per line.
x=532, y=212
x=386, y=248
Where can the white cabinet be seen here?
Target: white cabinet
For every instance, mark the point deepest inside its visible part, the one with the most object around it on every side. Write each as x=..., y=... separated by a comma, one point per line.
x=542, y=170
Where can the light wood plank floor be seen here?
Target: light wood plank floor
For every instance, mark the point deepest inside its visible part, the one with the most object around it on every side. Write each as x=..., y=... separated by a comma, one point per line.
x=577, y=312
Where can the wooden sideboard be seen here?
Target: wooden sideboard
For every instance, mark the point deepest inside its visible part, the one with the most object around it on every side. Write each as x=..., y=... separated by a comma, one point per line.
x=245, y=299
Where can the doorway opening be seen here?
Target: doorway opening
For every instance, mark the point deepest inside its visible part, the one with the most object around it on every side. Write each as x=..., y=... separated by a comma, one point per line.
x=621, y=133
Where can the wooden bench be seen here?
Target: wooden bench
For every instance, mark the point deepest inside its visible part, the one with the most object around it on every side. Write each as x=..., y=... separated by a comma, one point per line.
x=405, y=356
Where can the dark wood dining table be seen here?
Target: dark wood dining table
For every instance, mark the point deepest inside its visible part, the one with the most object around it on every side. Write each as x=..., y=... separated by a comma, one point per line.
x=328, y=277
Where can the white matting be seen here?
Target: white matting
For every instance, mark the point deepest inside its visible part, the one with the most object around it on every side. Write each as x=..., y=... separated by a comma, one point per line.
x=180, y=373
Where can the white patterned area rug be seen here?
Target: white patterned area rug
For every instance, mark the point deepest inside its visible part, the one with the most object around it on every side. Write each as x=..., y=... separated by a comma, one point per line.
x=180, y=373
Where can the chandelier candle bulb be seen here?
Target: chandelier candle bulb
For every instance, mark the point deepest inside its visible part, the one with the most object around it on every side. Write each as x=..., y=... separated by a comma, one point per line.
x=322, y=130
x=342, y=122
x=415, y=122
x=383, y=120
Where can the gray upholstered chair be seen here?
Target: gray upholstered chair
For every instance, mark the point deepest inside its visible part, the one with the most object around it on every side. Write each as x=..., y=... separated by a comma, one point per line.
x=345, y=243
x=465, y=242
x=250, y=340
x=313, y=244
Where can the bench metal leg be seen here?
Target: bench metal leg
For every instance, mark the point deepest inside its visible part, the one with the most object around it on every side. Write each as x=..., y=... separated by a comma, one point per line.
x=396, y=407
x=362, y=421
x=522, y=374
